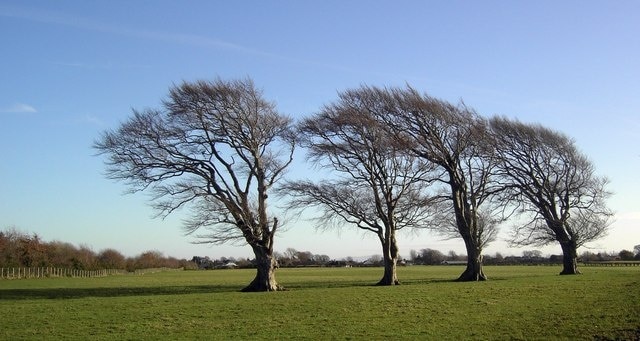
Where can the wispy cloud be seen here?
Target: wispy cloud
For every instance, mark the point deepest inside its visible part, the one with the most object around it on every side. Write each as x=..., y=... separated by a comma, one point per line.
x=100, y=66
x=90, y=24
x=92, y=120
x=58, y=18
x=18, y=108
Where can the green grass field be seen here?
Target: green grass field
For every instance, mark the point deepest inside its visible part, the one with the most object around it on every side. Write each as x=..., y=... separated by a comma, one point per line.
x=328, y=303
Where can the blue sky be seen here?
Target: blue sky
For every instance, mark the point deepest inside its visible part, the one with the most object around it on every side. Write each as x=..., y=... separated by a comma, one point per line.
x=71, y=69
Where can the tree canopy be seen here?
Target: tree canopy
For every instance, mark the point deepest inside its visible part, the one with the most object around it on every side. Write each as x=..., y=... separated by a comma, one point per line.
x=217, y=147
x=553, y=185
x=377, y=186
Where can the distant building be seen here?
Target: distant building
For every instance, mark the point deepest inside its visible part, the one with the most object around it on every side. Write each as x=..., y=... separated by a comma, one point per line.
x=454, y=262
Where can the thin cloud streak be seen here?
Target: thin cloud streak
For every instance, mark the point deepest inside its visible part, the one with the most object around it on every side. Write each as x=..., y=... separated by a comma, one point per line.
x=98, y=66
x=57, y=18
x=92, y=120
x=18, y=108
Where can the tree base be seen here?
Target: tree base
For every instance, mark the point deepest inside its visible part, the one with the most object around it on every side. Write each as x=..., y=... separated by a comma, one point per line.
x=265, y=280
x=571, y=272
x=383, y=282
x=469, y=276
x=262, y=288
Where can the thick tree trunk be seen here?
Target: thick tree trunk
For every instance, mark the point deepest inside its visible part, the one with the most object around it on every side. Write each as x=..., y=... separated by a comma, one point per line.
x=390, y=276
x=265, y=279
x=474, y=271
x=569, y=258
x=390, y=258
x=466, y=221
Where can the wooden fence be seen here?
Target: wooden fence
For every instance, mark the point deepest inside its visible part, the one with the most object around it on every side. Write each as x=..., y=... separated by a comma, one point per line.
x=613, y=263
x=48, y=272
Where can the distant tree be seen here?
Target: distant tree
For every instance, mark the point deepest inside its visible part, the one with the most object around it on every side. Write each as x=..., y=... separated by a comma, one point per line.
x=636, y=249
x=626, y=255
x=9, y=247
x=149, y=259
x=432, y=257
x=414, y=255
x=553, y=185
x=217, y=147
x=321, y=259
x=606, y=256
x=290, y=256
x=588, y=256
x=532, y=254
x=61, y=254
x=111, y=259
x=304, y=257
x=31, y=251
x=376, y=188
x=555, y=259
x=85, y=258
x=375, y=260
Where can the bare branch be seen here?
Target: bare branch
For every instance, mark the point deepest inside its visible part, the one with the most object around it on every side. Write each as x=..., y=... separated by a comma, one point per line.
x=552, y=182
x=216, y=147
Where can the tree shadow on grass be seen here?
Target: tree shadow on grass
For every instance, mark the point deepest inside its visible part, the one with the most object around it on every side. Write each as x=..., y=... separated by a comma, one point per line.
x=362, y=284
x=70, y=293
x=446, y=280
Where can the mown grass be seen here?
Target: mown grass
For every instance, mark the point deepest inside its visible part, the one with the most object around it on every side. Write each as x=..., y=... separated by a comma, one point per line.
x=328, y=303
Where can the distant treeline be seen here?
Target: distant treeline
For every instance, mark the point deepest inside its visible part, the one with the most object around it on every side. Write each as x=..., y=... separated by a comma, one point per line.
x=294, y=258
x=19, y=249
x=435, y=257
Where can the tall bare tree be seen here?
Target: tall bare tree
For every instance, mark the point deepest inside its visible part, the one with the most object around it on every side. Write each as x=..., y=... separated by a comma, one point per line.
x=377, y=186
x=217, y=147
x=554, y=185
x=452, y=137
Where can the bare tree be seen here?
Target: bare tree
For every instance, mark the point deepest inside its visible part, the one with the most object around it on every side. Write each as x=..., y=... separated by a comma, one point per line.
x=377, y=186
x=553, y=185
x=111, y=259
x=453, y=137
x=432, y=257
x=217, y=147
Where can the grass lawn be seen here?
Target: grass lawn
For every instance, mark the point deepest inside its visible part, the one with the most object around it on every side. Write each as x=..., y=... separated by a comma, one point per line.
x=328, y=303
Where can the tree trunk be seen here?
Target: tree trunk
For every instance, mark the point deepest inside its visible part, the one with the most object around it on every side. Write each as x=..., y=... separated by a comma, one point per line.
x=265, y=279
x=390, y=276
x=474, y=271
x=466, y=221
x=569, y=258
x=390, y=258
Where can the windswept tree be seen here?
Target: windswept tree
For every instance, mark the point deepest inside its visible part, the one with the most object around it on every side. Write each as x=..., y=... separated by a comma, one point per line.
x=453, y=138
x=554, y=185
x=217, y=147
x=376, y=186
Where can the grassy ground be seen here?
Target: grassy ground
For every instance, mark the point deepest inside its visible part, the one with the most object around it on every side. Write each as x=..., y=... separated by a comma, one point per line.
x=326, y=303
